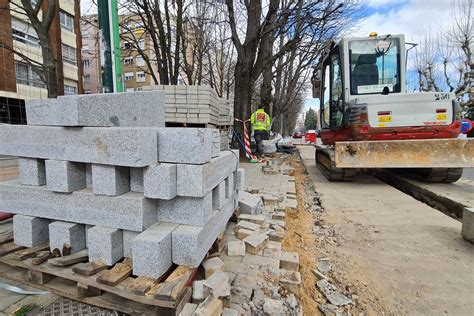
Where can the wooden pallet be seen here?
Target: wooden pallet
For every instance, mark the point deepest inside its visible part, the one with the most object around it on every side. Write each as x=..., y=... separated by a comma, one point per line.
x=94, y=283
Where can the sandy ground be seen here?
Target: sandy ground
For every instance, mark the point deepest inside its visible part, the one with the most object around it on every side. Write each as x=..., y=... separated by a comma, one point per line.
x=403, y=256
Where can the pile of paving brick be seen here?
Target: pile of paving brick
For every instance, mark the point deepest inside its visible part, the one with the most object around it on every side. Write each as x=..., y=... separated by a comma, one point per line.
x=102, y=172
x=195, y=105
x=255, y=275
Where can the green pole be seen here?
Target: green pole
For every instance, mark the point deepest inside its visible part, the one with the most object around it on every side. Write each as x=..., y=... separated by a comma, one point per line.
x=110, y=46
x=116, y=46
x=105, y=49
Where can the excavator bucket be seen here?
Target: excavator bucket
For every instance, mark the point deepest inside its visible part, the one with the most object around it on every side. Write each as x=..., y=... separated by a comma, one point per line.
x=423, y=153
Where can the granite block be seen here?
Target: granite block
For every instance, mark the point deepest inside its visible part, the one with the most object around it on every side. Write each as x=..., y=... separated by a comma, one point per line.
x=239, y=178
x=186, y=210
x=65, y=176
x=32, y=171
x=30, y=231
x=236, y=199
x=213, y=265
x=229, y=186
x=219, y=196
x=198, y=291
x=120, y=146
x=86, y=228
x=255, y=242
x=211, y=306
x=191, y=243
x=129, y=211
x=188, y=309
x=185, y=145
x=131, y=109
x=128, y=237
x=250, y=203
x=217, y=285
x=152, y=250
x=467, y=230
x=89, y=176
x=198, y=180
x=216, y=142
x=61, y=233
x=136, y=179
x=105, y=244
x=110, y=180
x=159, y=181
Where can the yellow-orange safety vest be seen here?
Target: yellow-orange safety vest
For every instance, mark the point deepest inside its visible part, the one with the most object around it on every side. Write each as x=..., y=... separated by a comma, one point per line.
x=260, y=121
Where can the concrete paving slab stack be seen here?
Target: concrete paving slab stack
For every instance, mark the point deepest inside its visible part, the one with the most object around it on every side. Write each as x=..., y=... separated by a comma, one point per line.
x=102, y=172
x=195, y=105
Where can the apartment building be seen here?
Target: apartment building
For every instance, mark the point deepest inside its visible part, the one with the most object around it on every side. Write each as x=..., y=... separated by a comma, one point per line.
x=92, y=76
x=134, y=69
x=19, y=79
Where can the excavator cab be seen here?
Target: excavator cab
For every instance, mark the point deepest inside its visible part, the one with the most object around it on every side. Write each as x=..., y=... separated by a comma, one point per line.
x=369, y=120
x=358, y=67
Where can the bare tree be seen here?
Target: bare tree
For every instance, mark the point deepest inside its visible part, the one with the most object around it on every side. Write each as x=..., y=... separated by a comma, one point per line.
x=162, y=22
x=292, y=71
x=444, y=61
x=290, y=21
x=50, y=69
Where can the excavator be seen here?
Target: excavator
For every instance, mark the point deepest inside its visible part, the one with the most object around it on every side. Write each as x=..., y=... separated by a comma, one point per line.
x=369, y=120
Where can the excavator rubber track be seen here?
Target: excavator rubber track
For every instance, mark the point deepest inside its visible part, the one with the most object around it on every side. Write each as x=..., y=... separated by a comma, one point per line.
x=326, y=163
x=433, y=175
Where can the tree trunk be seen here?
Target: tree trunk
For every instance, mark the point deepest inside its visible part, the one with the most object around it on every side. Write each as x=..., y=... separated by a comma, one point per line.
x=50, y=67
x=266, y=90
x=242, y=101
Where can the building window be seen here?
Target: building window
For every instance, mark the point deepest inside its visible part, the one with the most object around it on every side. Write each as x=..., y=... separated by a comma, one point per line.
x=28, y=75
x=141, y=44
x=128, y=61
x=24, y=33
x=87, y=79
x=128, y=76
x=87, y=91
x=69, y=54
x=127, y=45
x=129, y=90
x=85, y=63
x=67, y=21
x=85, y=49
x=140, y=76
x=25, y=38
x=140, y=61
x=68, y=90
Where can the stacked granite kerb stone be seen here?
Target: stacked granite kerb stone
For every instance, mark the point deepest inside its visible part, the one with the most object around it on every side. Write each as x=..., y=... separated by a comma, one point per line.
x=102, y=172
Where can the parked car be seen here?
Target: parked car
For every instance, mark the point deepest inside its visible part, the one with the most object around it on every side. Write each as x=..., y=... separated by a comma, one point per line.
x=297, y=135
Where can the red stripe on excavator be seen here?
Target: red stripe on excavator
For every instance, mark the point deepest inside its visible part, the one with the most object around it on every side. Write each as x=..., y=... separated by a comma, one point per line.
x=366, y=132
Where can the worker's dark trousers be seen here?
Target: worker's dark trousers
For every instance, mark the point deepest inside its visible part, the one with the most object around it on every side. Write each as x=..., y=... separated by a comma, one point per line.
x=259, y=136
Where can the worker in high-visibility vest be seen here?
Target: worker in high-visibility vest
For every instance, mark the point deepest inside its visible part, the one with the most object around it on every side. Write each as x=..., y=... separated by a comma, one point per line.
x=261, y=128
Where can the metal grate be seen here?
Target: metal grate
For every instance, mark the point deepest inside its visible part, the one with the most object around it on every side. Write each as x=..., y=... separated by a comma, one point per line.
x=65, y=306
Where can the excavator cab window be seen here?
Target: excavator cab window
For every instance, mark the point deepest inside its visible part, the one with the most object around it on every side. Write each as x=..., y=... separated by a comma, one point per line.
x=332, y=97
x=374, y=66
